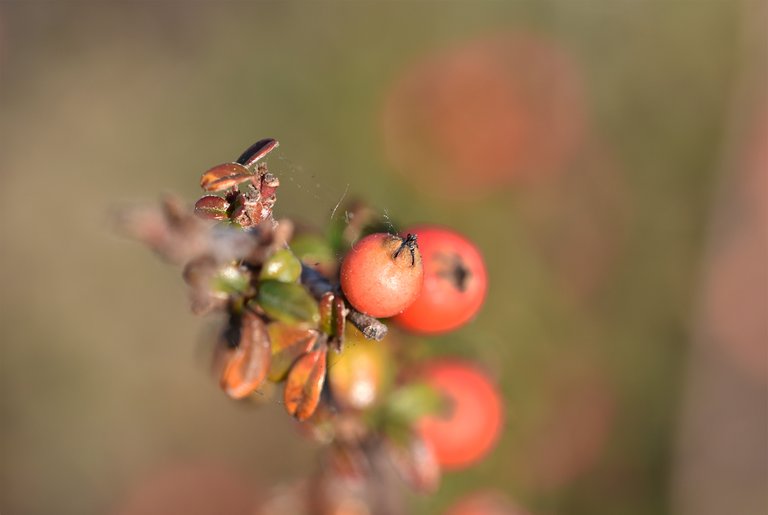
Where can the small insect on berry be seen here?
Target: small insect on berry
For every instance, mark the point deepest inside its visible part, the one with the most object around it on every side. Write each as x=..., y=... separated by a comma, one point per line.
x=455, y=282
x=382, y=274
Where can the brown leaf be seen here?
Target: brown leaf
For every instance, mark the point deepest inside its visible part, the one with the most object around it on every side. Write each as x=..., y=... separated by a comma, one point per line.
x=267, y=187
x=333, y=314
x=256, y=151
x=198, y=274
x=224, y=176
x=271, y=236
x=349, y=462
x=211, y=207
x=416, y=463
x=304, y=384
x=174, y=233
x=247, y=364
x=288, y=342
x=325, y=305
x=338, y=322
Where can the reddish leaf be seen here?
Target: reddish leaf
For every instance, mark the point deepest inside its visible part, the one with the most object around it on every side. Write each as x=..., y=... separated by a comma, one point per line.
x=333, y=314
x=247, y=364
x=256, y=151
x=255, y=212
x=224, y=176
x=211, y=207
x=267, y=188
x=338, y=321
x=325, y=305
x=288, y=343
x=304, y=384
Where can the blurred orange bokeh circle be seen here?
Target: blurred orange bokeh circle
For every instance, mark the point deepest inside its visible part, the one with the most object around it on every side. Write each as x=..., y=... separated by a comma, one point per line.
x=489, y=112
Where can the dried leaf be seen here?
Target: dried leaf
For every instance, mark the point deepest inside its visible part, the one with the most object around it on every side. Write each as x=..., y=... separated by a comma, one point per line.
x=305, y=383
x=349, y=462
x=174, y=234
x=271, y=237
x=247, y=364
x=211, y=207
x=256, y=151
x=333, y=314
x=321, y=426
x=212, y=284
x=224, y=176
x=338, y=322
x=288, y=344
x=416, y=463
x=198, y=274
x=325, y=306
x=179, y=236
x=267, y=187
x=255, y=211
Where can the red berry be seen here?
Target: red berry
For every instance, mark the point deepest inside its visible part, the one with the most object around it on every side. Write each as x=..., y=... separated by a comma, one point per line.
x=455, y=282
x=382, y=274
x=477, y=116
x=471, y=422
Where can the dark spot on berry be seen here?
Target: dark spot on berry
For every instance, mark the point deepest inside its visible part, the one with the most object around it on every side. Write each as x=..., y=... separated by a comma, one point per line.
x=455, y=271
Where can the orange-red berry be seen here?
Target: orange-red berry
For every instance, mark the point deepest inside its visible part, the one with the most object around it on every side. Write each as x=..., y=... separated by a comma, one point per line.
x=382, y=274
x=455, y=282
x=470, y=423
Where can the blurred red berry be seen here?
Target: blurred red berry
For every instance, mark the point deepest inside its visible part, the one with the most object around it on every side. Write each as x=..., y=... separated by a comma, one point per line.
x=455, y=282
x=470, y=424
x=499, y=110
x=382, y=274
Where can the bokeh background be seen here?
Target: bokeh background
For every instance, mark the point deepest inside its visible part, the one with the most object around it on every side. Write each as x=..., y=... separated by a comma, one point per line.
x=610, y=158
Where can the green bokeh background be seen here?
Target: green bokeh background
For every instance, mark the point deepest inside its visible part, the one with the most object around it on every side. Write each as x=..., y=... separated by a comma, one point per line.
x=103, y=367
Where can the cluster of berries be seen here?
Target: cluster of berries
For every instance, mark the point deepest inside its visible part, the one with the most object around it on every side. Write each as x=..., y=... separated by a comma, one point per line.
x=296, y=314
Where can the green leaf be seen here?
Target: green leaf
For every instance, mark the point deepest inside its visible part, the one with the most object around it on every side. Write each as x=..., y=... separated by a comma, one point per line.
x=287, y=302
x=312, y=249
x=413, y=401
x=281, y=266
x=231, y=280
x=288, y=343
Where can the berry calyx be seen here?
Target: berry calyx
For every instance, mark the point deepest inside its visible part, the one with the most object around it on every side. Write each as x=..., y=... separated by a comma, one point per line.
x=455, y=282
x=382, y=274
